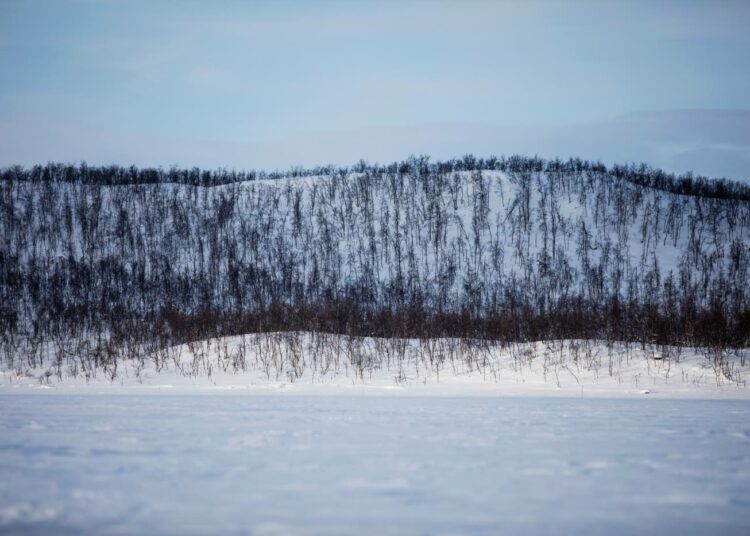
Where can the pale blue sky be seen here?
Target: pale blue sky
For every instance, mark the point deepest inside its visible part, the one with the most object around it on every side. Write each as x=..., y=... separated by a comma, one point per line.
x=254, y=84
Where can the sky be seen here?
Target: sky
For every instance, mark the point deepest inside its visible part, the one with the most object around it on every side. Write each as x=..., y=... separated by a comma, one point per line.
x=278, y=84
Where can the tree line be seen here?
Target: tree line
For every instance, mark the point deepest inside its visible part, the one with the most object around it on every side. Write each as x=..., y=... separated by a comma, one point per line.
x=641, y=174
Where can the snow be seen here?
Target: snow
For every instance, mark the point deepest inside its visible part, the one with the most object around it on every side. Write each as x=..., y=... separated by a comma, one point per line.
x=280, y=434
x=313, y=363
x=161, y=462
x=302, y=433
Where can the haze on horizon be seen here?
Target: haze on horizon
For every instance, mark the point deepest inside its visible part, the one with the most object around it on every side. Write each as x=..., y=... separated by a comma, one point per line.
x=278, y=84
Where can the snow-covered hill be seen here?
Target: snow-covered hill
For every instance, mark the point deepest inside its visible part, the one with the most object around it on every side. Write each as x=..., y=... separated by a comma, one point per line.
x=110, y=263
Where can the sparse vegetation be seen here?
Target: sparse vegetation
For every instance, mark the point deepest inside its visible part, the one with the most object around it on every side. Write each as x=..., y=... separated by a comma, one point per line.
x=101, y=265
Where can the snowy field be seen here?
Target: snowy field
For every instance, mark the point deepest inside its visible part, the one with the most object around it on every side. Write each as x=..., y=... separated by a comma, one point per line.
x=229, y=463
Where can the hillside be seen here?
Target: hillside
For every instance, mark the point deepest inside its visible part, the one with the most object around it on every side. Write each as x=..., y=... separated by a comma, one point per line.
x=110, y=263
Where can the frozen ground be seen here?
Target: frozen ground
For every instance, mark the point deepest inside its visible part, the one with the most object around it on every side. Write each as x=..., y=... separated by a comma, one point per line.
x=228, y=463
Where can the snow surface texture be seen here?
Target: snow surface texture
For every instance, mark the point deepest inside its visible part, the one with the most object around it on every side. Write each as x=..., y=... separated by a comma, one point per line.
x=302, y=363
x=233, y=464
